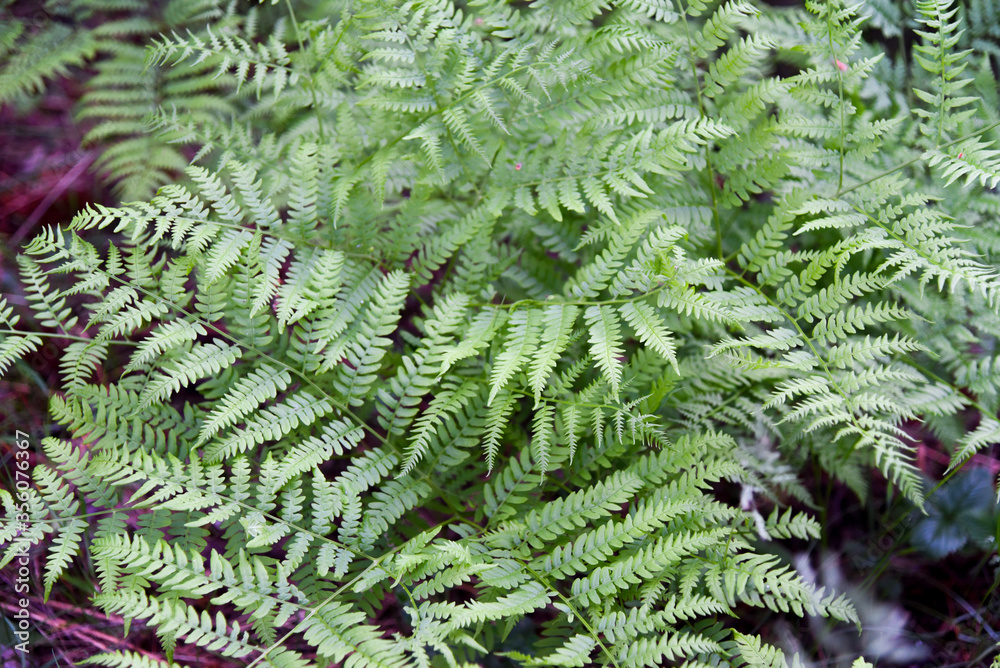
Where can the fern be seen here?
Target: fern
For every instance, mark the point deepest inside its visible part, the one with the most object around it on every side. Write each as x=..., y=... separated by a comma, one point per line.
x=469, y=312
x=30, y=57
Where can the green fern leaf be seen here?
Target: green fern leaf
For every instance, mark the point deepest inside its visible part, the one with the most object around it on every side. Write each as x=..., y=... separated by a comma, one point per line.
x=606, y=344
x=258, y=386
x=556, y=328
x=522, y=336
x=201, y=361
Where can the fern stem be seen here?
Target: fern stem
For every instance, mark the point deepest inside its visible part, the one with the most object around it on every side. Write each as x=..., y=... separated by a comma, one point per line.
x=69, y=337
x=312, y=613
x=295, y=25
x=944, y=70
x=840, y=90
x=708, y=151
x=376, y=561
x=413, y=603
x=590, y=628
x=309, y=80
x=572, y=302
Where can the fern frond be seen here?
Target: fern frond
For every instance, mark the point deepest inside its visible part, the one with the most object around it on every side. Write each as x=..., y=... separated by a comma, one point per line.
x=556, y=326
x=15, y=347
x=937, y=55
x=337, y=632
x=272, y=423
x=970, y=159
x=449, y=400
x=522, y=336
x=269, y=63
x=758, y=654
x=337, y=437
x=201, y=361
x=627, y=570
x=606, y=343
x=650, y=329
x=201, y=630
x=630, y=252
x=262, y=384
x=127, y=659
x=69, y=532
x=46, y=54
x=368, y=349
